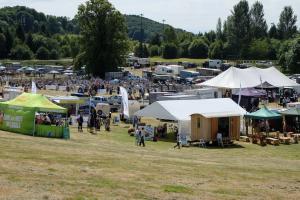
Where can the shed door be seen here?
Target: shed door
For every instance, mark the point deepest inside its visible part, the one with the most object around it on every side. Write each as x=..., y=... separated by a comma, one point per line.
x=214, y=128
x=235, y=127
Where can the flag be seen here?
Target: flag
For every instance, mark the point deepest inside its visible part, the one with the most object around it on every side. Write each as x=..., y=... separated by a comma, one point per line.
x=124, y=95
x=33, y=87
x=240, y=94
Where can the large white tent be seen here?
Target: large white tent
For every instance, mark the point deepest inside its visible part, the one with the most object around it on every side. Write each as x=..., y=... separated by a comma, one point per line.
x=181, y=110
x=235, y=78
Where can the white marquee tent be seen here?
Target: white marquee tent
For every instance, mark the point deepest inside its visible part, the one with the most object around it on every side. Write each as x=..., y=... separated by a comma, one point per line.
x=235, y=78
x=181, y=110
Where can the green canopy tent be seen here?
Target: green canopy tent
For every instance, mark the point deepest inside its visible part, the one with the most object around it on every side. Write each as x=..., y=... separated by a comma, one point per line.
x=18, y=115
x=263, y=114
x=288, y=124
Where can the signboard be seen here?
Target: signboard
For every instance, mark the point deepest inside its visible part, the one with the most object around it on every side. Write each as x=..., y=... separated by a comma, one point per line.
x=19, y=121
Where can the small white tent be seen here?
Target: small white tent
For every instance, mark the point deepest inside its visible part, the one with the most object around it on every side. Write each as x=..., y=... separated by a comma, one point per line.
x=234, y=78
x=181, y=110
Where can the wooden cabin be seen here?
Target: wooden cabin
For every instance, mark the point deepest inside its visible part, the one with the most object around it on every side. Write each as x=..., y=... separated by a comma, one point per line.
x=207, y=128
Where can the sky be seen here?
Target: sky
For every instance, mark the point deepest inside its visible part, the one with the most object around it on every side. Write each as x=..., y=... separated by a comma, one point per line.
x=191, y=15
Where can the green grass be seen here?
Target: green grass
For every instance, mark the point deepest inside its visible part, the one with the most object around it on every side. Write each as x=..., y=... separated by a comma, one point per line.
x=177, y=189
x=63, y=62
x=110, y=166
x=159, y=59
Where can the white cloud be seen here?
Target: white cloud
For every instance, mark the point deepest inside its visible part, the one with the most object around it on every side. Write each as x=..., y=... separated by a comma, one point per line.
x=191, y=15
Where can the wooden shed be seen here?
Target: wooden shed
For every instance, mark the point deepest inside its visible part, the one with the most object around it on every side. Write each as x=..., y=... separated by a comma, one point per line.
x=207, y=128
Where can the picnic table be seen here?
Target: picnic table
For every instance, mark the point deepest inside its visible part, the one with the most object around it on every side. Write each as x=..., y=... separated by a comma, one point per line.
x=285, y=140
x=272, y=141
x=245, y=138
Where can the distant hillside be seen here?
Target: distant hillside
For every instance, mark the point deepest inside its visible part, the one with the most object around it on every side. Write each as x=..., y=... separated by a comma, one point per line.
x=150, y=27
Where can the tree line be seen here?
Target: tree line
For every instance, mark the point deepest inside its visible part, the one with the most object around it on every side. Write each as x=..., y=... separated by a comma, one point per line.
x=243, y=35
x=27, y=34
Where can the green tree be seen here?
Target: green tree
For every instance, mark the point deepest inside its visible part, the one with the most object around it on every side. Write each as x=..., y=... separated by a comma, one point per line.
x=216, y=50
x=20, y=33
x=273, y=33
x=258, y=23
x=42, y=53
x=54, y=55
x=292, y=57
x=21, y=52
x=169, y=51
x=219, y=33
x=155, y=40
x=259, y=49
x=198, y=49
x=238, y=30
x=104, y=37
x=170, y=35
x=154, y=50
x=66, y=51
x=29, y=41
x=287, y=23
x=3, y=51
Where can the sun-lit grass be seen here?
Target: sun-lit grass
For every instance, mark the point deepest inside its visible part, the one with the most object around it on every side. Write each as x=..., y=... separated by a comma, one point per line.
x=110, y=166
x=160, y=59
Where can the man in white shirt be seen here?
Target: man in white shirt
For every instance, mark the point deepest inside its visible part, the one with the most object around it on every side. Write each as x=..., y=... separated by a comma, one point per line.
x=220, y=139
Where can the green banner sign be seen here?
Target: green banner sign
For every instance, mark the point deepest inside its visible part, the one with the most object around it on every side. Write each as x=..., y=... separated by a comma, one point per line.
x=17, y=120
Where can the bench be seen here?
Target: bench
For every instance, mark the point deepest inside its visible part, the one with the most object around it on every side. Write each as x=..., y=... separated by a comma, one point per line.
x=245, y=138
x=272, y=141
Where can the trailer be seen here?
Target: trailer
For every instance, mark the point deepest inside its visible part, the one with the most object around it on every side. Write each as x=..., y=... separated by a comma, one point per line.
x=188, y=74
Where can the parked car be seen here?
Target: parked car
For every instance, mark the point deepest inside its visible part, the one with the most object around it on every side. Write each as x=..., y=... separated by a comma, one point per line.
x=115, y=100
x=99, y=99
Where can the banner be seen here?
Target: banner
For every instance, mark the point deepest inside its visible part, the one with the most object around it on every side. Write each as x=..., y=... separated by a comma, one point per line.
x=124, y=95
x=33, y=87
x=17, y=120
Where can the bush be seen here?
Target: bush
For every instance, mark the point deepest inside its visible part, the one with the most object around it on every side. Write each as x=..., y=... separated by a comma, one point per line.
x=154, y=51
x=21, y=52
x=216, y=50
x=42, y=53
x=198, y=49
x=54, y=55
x=170, y=51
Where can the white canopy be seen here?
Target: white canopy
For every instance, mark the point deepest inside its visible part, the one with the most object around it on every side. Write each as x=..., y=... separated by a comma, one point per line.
x=234, y=78
x=181, y=110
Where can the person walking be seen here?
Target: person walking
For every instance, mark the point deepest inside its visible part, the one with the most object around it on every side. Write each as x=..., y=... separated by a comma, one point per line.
x=80, y=122
x=178, y=144
x=137, y=136
x=142, y=137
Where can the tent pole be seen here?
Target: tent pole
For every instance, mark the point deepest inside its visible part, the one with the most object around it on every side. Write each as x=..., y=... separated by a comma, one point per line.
x=34, y=124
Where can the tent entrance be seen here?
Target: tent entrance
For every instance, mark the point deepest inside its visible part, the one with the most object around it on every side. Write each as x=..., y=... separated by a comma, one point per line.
x=224, y=126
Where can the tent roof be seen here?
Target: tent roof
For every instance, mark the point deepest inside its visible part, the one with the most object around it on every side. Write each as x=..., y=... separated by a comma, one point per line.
x=250, y=92
x=37, y=101
x=235, y=78
x=263, y=113
x=179, y=110
x=291, y=111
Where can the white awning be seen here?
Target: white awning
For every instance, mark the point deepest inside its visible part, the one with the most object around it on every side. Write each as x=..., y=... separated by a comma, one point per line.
x=234, y=78
x=179, y=110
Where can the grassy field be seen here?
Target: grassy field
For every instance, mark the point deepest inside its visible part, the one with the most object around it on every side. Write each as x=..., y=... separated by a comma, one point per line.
x=63, y=62
x=160, y=59
x=110, y=166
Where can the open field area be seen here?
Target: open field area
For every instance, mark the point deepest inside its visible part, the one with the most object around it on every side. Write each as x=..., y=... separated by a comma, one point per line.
x=160, y=59
x=63, y=62
x=110, y=166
